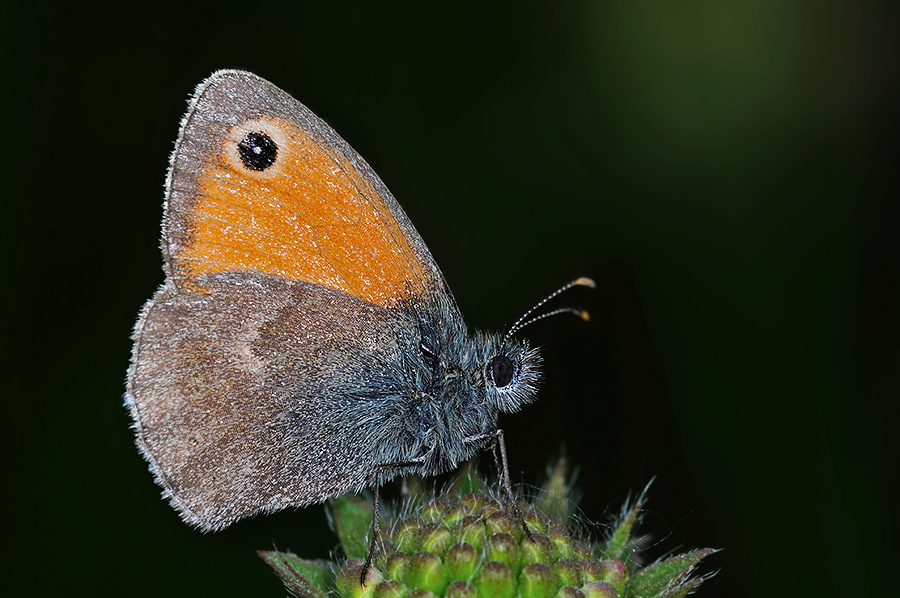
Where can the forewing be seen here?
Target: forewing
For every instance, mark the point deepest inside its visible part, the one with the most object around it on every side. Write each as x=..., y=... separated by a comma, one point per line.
x=317, y=213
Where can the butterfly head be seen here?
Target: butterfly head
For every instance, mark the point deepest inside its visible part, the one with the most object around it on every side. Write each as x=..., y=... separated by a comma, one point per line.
x=511, y=372
x=512, y=368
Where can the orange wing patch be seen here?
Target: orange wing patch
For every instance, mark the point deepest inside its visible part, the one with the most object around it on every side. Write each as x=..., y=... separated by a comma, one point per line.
x=310, y=215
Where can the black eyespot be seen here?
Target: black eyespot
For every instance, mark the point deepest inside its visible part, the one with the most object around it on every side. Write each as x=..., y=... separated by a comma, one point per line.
x=257, y=151
x=502, y=370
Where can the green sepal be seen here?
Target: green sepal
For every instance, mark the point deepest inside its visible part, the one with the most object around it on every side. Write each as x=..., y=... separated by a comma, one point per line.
x=554, y=500
x=620, y=543
x=306, y=579
x=665, y=579
x=467, y=481
x=352, y=518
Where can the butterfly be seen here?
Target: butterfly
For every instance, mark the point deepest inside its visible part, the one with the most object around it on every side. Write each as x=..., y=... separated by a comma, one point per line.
x=304, y=343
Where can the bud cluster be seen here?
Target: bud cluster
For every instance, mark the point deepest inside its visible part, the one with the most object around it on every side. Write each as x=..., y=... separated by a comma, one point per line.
x=468, y=544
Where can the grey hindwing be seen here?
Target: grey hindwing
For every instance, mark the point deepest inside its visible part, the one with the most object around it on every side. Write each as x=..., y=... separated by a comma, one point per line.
x=278, y=393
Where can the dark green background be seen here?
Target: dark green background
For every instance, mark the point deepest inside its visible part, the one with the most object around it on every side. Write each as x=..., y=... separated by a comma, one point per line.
x=723, y=170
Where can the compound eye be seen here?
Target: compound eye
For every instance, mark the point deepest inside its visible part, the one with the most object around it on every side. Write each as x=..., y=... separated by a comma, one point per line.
x=502, y=370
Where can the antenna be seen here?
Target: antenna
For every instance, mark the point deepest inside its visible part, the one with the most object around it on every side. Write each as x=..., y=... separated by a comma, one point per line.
x=523, y=322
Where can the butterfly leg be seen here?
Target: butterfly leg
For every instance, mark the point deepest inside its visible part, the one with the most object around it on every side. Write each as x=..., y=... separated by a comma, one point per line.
x=498, y=442
x=376, y=524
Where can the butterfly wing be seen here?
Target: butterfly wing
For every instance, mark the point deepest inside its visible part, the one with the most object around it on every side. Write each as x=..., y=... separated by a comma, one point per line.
x=266, y=392
x=273, y=368
x=317, y=212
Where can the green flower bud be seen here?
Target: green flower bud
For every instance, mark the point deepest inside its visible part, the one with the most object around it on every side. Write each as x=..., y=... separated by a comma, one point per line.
x=461, y=589
x=348, y=580
x=406, y=535
x=395, y=565
x=496, y=581
x=471, y=530
x=501, y=522
x=390, y=589
x=462, y=561
x=434, y=537
x=560, y=540
x=568, y=573
x=537, y=549
x=613, y=571
x=537, y=581
x=569, y=592
x=425, y=570
x=600, y=589
x=503, y=548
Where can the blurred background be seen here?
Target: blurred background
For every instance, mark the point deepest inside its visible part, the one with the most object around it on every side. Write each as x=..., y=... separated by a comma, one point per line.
x=722, y=170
